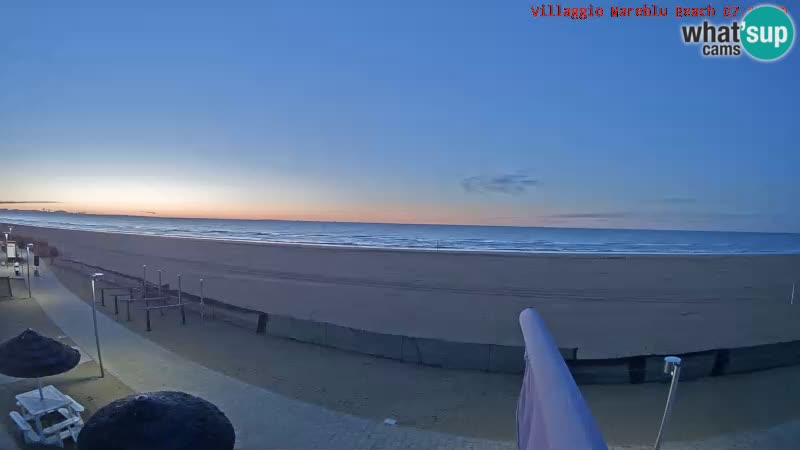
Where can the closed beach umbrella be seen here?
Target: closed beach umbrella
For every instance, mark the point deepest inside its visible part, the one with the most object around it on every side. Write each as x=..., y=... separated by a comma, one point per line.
x=158, y=421
x=31, y=355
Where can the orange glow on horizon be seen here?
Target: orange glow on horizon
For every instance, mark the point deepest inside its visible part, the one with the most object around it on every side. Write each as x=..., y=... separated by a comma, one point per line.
x=395, y=213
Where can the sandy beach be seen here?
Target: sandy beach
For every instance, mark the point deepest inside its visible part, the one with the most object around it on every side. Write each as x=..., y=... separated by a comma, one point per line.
x=715, y=301
x=732, y=409
x=749, y=409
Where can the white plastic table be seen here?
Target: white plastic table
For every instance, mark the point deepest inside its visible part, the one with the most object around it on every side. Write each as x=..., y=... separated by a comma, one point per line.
x=34, y=407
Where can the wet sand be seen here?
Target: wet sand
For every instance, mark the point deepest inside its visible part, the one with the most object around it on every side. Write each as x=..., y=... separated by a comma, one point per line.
x=604, y=305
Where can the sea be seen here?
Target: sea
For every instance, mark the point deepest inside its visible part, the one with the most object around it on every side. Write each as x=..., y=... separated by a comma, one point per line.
x=430, y=237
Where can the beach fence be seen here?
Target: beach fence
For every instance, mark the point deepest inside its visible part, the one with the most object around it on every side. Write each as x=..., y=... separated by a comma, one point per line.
x=140, y=294
x=5, y=287
x=161, y=301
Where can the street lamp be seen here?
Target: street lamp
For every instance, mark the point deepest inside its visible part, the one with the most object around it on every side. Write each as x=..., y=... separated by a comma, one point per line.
x=672, y=367
x=95, y=276
x=28, y=263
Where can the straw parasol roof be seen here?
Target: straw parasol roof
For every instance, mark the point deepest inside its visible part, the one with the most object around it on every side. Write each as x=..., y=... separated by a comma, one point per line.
x=31, y=355
x=156, y=421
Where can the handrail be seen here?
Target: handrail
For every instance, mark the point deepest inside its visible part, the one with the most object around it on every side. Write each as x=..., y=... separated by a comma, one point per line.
x=551, y=412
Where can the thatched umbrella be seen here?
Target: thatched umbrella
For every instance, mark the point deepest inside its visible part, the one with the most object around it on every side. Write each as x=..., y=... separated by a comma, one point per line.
x=31, y=355
x=156, y=421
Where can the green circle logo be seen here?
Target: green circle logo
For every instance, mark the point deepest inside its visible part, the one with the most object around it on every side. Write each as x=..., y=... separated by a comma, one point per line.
x=767, y=33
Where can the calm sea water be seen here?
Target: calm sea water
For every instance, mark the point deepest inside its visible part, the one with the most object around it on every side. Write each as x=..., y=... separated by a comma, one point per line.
x=454, y=237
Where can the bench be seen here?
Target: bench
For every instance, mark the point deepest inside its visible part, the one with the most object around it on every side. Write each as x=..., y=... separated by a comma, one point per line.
x=28, y=435
x=61, y=426
x=77, y=407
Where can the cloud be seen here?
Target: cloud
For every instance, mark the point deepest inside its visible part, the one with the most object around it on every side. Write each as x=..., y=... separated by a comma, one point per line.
x=509, y=183
x=678, y=200
x=592, y=215
x=654, y=215
x=26, y=202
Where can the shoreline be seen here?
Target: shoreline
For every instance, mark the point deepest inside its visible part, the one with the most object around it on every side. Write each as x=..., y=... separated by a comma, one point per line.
x=443, y=250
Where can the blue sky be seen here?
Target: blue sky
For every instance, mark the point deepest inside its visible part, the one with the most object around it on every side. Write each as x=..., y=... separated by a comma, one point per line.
x=434, y=112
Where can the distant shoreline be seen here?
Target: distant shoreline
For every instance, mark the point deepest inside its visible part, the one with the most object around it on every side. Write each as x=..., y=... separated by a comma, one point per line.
x=345, y=222
x=443, y=250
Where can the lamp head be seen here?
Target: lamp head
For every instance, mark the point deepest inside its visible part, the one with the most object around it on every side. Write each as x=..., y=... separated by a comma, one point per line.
x=97, y=275
x=670, y=363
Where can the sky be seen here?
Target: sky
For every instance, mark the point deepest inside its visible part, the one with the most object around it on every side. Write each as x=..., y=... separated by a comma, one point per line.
x=469, y=112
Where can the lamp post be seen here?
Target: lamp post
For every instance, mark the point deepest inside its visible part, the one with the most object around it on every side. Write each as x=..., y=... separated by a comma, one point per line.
x=28, y=263
x=672, y=366
x=95, y=276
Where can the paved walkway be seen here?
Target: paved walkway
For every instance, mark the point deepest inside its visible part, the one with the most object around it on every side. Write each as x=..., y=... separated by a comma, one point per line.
x=262, y=419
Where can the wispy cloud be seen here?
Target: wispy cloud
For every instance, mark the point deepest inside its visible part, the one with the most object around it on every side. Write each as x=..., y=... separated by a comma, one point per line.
x=677, y=200
x=149, y=212
x=592, y=215
x=652, y=215
x=25, y=202
x=509, y=183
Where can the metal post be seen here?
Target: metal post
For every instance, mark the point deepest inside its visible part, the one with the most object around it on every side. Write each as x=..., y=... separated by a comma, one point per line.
x=128, y=308
x=28, y=262
x=116, y=305
x=202, y=301
x=94, y=320
x=144, y=280
x=159, y=293
x=791, y=301
x=672, y=366
x=180, y=301
x=102, y=296
x=147, y=313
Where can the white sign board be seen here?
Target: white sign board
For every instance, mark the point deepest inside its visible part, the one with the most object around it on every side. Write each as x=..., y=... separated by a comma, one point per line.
x=11, y=250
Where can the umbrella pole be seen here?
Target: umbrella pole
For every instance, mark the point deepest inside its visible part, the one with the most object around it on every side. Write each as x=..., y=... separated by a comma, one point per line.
x=39, y=384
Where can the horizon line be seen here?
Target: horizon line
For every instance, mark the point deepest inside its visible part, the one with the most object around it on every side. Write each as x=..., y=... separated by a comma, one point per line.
x=150, y=216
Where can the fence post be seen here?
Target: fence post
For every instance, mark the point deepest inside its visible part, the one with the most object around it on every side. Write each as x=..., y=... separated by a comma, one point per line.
x=202, y=301
x=180, y=301
x=116, y=306
x=128, y=308
x=144, y=280
x=261, y=327
x=103, y=296
x=147, y=312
